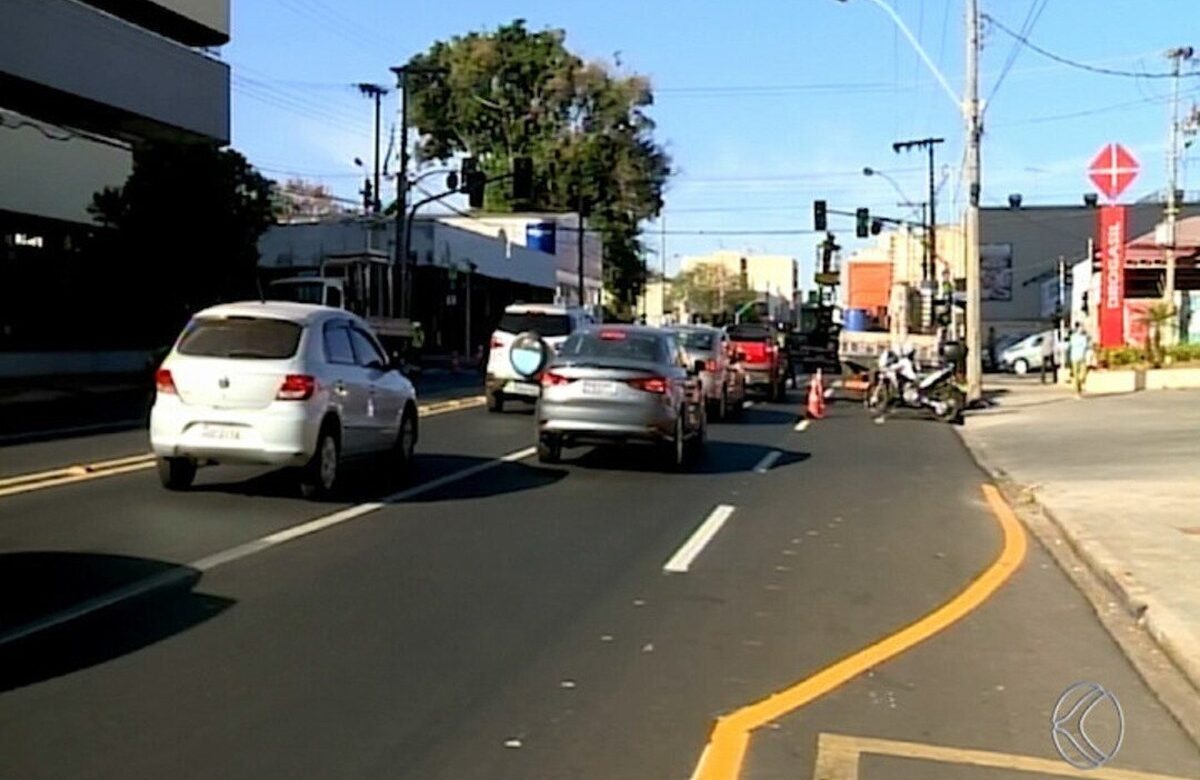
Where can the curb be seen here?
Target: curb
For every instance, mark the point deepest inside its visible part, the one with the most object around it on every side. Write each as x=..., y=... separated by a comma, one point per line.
x=1157, y=621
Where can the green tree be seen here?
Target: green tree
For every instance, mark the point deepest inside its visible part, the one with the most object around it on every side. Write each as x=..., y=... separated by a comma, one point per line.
x=710, y=290
x=512, y=92
x=184, y=227
x=1157, y=318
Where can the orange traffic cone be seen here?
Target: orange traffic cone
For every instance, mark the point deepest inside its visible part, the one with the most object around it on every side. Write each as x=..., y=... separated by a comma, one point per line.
x=815, y=408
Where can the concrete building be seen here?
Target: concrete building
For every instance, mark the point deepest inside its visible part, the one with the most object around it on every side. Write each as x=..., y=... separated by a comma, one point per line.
x=557, y=234
x=1020, y=250
x=775, y=277
x=81, y=82
x=895, y=304
x=449, y=259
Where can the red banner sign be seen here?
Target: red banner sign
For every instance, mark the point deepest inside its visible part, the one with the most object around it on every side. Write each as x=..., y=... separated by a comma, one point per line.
x=1111, y=243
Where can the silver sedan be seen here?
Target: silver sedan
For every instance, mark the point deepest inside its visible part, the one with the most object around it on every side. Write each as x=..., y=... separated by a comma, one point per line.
x=614, y=384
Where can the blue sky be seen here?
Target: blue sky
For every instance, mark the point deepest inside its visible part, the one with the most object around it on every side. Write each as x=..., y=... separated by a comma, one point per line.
x=764, y=104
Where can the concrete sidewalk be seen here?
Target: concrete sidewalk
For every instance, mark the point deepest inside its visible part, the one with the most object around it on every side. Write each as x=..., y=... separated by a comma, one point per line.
x=1121, y=477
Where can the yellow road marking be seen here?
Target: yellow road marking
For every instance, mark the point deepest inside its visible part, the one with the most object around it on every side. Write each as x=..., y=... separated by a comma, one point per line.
x=838, y=759
x=83, y=472
x=726, y=750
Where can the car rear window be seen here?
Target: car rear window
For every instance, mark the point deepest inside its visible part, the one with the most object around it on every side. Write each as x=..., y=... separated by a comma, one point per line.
x=697, y=340
x=241, y=337
x=750, y=333
x=544, y=324
x=618, y=344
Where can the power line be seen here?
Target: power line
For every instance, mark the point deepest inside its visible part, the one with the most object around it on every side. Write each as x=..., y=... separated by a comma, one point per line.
x=1079, y=65
x=1031, y=18
x=329, y=20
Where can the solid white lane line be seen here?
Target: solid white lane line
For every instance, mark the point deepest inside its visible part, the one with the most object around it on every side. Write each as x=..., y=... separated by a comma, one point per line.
x=350, y=513
x=182, y=574
x=802, y=426
x=767, y=462
x=681, y=561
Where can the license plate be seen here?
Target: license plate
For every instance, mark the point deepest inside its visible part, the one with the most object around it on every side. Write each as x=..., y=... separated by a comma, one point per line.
x=593, y=387
x=220, y=432
x=523, y=388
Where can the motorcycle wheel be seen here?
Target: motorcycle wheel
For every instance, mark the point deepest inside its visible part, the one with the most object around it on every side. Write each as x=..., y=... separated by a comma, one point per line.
x=948, y=403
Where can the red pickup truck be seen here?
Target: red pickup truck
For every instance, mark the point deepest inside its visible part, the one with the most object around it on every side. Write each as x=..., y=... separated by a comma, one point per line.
x=760, y=357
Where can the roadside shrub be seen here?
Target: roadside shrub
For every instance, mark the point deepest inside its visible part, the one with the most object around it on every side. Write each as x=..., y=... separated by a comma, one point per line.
x=1121, y=356
x=1182, y=353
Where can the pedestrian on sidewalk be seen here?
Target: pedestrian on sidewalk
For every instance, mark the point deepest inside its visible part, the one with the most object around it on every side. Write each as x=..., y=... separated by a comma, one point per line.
x=1050, y=355
x=1078, y=348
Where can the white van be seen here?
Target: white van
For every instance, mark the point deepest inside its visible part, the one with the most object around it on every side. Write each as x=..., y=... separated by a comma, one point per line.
x=553, y=323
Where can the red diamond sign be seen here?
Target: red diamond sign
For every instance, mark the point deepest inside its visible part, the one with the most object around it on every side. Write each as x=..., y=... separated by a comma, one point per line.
x=1113, y=170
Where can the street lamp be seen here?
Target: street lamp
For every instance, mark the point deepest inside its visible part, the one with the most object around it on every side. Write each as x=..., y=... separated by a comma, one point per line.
x=869, y=171
x=968, y=107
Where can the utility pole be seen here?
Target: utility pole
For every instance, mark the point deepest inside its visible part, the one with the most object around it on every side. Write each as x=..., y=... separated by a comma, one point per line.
x=581, y=235
x=929, y=266
x=402, y=72
x=377, y=92
x=971, y=227
x=928, y=271
x=1177, y=57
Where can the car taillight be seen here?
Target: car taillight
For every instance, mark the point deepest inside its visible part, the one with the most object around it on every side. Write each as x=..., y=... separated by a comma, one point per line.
x=296, y=387
x=710, y=366
x=654, y=384
x=496, y=342
x=164, y=381
x=551, y=379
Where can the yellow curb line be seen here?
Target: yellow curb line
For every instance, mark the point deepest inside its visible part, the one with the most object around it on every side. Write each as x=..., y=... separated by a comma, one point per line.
x=726, y=750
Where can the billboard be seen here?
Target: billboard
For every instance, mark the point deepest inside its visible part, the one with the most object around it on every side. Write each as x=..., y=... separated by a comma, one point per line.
x=996, y=272
x=1111, y=237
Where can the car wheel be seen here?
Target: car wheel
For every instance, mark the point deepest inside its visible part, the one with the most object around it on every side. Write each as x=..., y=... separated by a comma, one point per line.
x=1020, y=366
x=406, y=443
x=549, y=449
x=176, y=473
x=697, y=442
x=319, y=477
x=677, y=447
x=495, y=402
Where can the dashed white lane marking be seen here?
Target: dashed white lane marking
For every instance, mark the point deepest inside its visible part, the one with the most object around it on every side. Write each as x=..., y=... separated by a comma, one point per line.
x=352, y=513
x=802, y=426
x=681, y=561
x=748, y=404
x=183, y=574
x=767, y=462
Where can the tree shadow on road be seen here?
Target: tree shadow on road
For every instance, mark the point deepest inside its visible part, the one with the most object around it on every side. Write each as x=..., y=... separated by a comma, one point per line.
x=136, y=602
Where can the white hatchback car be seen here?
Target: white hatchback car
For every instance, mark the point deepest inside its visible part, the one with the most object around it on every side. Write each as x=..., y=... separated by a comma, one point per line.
x=279, y=384
x=552, y=323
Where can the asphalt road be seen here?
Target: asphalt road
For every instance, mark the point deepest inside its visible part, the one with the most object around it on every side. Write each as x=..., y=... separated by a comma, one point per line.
x=517, y=622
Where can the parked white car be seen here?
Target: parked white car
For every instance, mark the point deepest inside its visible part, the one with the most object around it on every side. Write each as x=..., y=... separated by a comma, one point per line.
x=1025, y=355
x=552, y=323
x=279, y=384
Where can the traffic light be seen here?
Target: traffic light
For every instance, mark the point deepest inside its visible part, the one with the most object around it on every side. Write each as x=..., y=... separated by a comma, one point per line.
x=862, y=223
x=819, y=218
x=876, y=227
x=473, y=182
x=522, y=183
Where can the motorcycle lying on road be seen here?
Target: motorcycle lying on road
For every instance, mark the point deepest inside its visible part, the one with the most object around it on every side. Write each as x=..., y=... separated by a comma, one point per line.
x=936, y=392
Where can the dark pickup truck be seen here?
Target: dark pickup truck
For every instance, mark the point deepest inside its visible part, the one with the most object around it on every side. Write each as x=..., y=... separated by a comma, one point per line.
x=761, y=359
